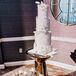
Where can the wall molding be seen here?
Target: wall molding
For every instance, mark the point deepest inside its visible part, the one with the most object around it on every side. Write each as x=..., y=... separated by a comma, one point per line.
x=24, y=38
x=9, y=39
x=55, y=63
x=64, y=39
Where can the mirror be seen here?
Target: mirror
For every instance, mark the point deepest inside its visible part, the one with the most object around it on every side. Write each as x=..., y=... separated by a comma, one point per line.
x=64, y=11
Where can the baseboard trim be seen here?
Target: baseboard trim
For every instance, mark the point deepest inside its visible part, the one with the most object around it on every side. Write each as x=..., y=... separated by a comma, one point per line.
x=17, y=63
x=59, y=64
x=62, y=65
x=2, y=66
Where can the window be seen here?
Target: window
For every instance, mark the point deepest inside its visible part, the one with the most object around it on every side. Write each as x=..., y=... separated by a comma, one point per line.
x=64, y=11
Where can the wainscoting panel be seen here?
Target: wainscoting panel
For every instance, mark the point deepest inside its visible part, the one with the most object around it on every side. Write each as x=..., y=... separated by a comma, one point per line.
x=13, y=51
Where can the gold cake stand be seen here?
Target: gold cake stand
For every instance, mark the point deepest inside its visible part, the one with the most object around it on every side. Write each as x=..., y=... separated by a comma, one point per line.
x=40, y=64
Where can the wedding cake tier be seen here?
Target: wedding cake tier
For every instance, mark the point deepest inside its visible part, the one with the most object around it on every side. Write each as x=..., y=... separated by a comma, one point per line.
x=42, y=44
x=42, y=24
x=42, y=38
x=42, y=21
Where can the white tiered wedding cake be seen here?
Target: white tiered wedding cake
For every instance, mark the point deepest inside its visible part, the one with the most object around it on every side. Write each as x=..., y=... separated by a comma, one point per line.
x=42, y=44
